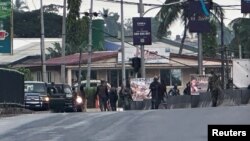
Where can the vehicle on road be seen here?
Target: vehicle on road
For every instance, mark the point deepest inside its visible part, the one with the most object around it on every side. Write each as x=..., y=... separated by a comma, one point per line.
x=35, y=95
x=62, y=99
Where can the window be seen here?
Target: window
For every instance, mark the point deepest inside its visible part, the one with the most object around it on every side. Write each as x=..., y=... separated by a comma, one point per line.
x=38, y=76
x=49, y=76
x=171, y=76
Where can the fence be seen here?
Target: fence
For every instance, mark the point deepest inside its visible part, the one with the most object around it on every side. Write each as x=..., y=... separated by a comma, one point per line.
x=226, y=98
x=11, y=87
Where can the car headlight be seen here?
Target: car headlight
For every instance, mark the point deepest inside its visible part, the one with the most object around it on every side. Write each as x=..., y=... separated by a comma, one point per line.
x=69, y=95
x=45, y=98
x=78, y=99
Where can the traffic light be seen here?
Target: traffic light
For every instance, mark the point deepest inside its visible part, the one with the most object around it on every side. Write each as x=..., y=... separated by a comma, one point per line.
x=136, y=63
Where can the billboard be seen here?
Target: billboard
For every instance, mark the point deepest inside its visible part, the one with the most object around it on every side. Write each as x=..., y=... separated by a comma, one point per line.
x=5, y=31
x=142, y=31
x=198, y=14
x=245, y=6
x=198, y=84
x=140, y=88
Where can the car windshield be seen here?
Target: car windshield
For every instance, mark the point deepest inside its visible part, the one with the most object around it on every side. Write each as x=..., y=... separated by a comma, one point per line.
x=34, y=88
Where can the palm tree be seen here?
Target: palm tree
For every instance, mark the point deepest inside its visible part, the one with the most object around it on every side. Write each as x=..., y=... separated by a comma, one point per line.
x=20, y=6
x=241, y=28
x=169, y=14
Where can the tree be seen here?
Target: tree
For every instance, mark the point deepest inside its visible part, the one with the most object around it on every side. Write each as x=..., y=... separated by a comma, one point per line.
x=209, y=42
x=111, y=22
x=241, y=28
x=27, y=74
x=27, y=24
x=55, y=51
x=76, y=28
x=169, y=14
x=20, y=6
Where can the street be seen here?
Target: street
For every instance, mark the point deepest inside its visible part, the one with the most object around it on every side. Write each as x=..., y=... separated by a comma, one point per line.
x=146, y=125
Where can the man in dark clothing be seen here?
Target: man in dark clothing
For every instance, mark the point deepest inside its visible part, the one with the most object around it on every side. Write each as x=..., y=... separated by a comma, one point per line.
x=155, y=90
x=187, y=90
x=214, y=87
x=102, y=93
x=126, y=96
x=174, y=91
x=113, y=98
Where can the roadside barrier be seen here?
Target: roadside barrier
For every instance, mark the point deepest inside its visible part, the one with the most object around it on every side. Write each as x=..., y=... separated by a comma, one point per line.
x=230, y=97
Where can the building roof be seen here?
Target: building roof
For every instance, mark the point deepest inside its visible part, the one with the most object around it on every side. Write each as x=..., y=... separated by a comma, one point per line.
x=24, y=47
x=74, y=58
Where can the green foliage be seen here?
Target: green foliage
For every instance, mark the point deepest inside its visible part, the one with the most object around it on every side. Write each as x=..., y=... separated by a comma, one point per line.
x=241, y=28
x=209, y=42
x=20, y=6
x=28, y=24
x=90, y=94
x=76, y=28
x=55, y=51
x=27, y=74
x=169, y=14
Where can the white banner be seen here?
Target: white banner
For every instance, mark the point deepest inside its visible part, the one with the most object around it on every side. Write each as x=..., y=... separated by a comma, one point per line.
x=151, y=55
x=241, y=72
x=140, y=88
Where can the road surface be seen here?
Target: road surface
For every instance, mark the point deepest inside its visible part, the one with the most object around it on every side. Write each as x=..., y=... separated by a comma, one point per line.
x=147, y=125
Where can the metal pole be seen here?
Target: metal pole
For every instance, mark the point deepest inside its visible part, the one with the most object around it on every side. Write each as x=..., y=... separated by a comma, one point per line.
x=63, y=42
x=143, y=73
x=122, y=47
x=12, y=29
x=222, y=54
x=44, y=74
x=240, y=51
x=200, y=54
x=90, y=44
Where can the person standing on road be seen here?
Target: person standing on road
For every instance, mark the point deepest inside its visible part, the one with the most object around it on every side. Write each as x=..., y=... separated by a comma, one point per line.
x=156, y=92
x=102, y=93
x=126, y=96
x=214, y=86
x=113, y=97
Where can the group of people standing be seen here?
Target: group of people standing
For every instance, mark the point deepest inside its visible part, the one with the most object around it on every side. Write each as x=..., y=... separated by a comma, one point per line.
x=108, y=97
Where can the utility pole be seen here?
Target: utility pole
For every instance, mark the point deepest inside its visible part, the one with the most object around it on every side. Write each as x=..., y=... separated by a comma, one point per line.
x=143, y=73
x=63, y=42
x=200, y=54
x=44, y=73
x=123, y=47
x=90, y=44
x=222, y=53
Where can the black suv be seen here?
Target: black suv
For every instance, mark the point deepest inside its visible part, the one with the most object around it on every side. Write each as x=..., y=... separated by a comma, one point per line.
x=35, y=95
x=63, y=99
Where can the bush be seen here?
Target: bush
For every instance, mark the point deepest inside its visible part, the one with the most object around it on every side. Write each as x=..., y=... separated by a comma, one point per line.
x=90, y=94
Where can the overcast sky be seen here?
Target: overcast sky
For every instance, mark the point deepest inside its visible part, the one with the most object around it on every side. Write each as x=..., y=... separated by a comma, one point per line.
x=131, y=10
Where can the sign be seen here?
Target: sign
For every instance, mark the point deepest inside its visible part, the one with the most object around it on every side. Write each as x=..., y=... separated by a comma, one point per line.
x=151, y=55
x=5, y=17
x=140, y=88
x=142, y=31
x=245, y=6
x=200, y=7
x=198, y=84
x=198, y=14
x=199, y=23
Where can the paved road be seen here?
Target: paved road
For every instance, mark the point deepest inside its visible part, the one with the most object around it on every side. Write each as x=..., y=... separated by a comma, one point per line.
x=160, y=125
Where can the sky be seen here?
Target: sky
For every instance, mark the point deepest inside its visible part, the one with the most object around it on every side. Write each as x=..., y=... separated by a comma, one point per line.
x=131, y=10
